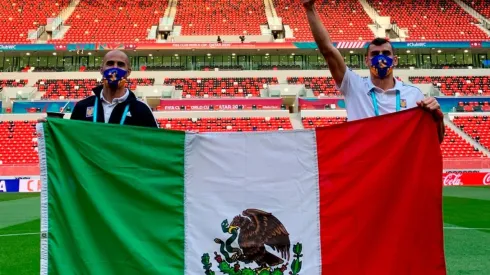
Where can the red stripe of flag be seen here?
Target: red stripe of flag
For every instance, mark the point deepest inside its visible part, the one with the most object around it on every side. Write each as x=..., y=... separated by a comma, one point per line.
x=381, y=196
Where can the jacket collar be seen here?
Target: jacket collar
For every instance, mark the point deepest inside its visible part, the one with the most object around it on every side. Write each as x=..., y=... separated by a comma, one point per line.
x=98, y=92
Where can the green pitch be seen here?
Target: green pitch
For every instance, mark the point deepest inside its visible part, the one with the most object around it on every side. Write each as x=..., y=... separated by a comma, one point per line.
x=466, y=222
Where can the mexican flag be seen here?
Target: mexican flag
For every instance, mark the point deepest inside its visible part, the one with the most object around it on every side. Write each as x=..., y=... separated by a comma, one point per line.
x=359, y=198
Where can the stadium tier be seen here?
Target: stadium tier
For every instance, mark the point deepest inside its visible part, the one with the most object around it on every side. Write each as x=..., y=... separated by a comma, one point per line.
x=345, y=20
x=455, y=146
x=18, y=143
x=478, y=127
x=314, y=122
x=321, y=86
x=481, y=6
x=457, y=85
x=217, y=17
x=230, y=124
x=66, y=88
x=145, y=21
x=17, y=18
x=431, y=20
x=78, y=88
x=113, y=21
x=220, y=87
x=13, y=82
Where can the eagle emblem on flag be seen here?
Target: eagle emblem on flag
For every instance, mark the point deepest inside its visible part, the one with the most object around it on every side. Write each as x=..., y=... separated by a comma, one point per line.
x=253, y=231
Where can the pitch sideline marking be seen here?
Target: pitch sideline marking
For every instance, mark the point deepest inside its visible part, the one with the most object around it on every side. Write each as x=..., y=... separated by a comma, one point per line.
x=445, y=227
x=462, y=228
x=20, y=234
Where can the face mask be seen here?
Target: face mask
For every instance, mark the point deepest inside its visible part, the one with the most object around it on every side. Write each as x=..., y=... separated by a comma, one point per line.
x=114, y=78
x=381, y=66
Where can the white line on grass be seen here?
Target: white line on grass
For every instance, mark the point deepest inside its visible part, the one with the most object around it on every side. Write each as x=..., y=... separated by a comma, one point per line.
x=445, y=227
x=464, y=228
x=20, y=234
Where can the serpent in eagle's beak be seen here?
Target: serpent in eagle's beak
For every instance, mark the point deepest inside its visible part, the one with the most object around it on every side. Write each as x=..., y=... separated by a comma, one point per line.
x=231, y=228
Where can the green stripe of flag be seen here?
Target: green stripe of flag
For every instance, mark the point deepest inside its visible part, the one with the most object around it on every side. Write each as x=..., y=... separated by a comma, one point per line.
x=108, y=200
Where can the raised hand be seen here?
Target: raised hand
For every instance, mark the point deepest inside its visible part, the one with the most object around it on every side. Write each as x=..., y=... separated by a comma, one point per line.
x=308, y=3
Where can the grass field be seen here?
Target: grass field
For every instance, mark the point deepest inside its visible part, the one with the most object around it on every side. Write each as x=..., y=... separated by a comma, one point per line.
x=466, y=218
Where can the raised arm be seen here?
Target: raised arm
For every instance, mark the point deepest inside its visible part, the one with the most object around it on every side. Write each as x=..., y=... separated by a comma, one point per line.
x=333, y=57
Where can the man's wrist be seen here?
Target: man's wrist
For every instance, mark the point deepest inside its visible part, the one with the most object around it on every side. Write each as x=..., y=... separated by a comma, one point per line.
x=309, y=7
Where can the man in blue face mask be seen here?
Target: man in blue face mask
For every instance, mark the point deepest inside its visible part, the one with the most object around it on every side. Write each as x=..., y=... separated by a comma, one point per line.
x=381, y=93
x=112, y=101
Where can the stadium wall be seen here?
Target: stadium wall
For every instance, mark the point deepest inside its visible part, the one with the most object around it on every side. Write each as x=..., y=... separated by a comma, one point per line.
x=281, y=74
x=174, y=114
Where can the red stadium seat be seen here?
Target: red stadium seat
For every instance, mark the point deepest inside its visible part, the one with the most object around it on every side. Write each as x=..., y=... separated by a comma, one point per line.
x=345, y=20
x=13, y=82
x=18, y=17
x=229, y=124
x=79, y=88
x=481, y=6
x=18, y=142
x=217, y=17
x=321, y=86
x=450, y=85
x=453, y=145
x=431, y=20
x=113, y=21
x=220, y=87
x=314, y=122
x=478, y=127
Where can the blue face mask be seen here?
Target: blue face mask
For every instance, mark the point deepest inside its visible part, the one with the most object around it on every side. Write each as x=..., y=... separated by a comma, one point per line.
x=114, y=78
x=381, y=66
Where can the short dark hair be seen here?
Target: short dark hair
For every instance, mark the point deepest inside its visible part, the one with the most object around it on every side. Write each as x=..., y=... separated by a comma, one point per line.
x=378, y=42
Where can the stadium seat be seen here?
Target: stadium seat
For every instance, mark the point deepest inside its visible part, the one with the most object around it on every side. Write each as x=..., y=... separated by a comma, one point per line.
x=454, y=146
x=230, y=124
x=13, y=82
x=481, y=6
x=66, y=88
x=79, y=88
x=478, y=127
x=321, y=86
x=314, y=122
x=345, y=20
x=18, y=142
x=113, y=21
x=220, y=87
x=217, y=17
x=17, y=18
x=430, y=20
x=457, y=85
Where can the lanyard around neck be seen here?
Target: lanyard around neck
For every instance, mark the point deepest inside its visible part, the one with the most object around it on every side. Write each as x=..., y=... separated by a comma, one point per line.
x=375, y=102
x=123, y=118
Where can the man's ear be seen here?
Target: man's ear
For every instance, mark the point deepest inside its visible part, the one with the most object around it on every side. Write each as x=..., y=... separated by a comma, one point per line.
x=367, y=61
x=395, y=60
x=129, y=73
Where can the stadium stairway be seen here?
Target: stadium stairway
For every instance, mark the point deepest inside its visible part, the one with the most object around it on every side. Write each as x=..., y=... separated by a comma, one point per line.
x=382, y=24
x=296, y=121
x=466, y=137
x=65, y=14
x=485, y=22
